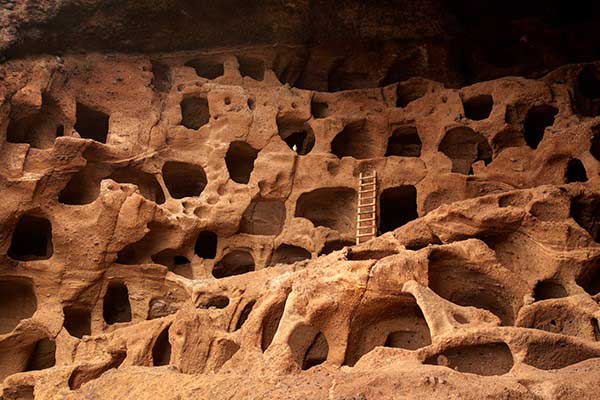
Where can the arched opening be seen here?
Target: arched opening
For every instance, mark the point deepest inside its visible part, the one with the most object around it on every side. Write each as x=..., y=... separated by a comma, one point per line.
x=404, y=142
x=78, y=321
x=409, y=91
x=43, y=355
x=301, y=139
x=31, y=239
x=549, y=289
x=84, y=186
x=263, y=217
x=244, y=314
x=236, y=262
x=91, y=124
x=176, y=263
x=40, y=129
x=587, y=91
x=252, y=67
x=270, y=324
x=334, y=208
x=17, y=302
x=398, y=205
x=195, y=112
x=390, y=321
x=206, y=245
x=146, y=183
x=479, y=107
x=575, y=171
x=319, y=109
x=240, y=159
x=585, y=210
x=161, y=77
x=309, y=346
x=161, y=351
x=116, y=306
x=289, y=254
x=589, y=278
x=354, y=141
x=482, y=359
x=538, y=118
x=206, y=69
x=464, y=146
x=183, y=179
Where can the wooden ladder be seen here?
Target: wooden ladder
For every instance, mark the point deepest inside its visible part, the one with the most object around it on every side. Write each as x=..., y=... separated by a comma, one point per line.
x=366, y=211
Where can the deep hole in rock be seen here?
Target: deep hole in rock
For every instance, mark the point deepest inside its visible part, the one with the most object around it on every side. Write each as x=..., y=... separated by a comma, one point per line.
x=587, y=91
x=235, y=262
x=398, y=205
x=482, y=359
x=289, y=254
x=478, y=107
x=217, y=302
x=299, y=138
x=538, y=118
x=595, y=147
x=31, y=239
x=43, y=355
x=404, y=142
x=40, y=129
x=409, y=91
x=589, y=278
x=84, y=186
x=556, y=353
x=240, y=159
x=161, y=76
x=206, y=69
x=354, y=141
x=549, y=289
x=17, y=302
x=270, y=324
x=244, y=314
x=319, y=109
x=146, y=183
x=176, y=263
x=161, y=351
x=464, y=146
x=390, y=321
x=91, y=124
x=263, y=217
x=454, y=279
x=335, y=245
x=575, y=171
x=195, y=112
x=252, y=67
x=116, y=306
x=206, y=245
x=183, y=179
x=585, y=210
x=334, y=208
x=78, y=321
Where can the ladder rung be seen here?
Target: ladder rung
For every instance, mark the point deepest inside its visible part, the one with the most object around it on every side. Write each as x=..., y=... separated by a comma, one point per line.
x=367, y=191
x=366, y=220
x=364, y=235
x=366, y=205
x=366, y=212
x=367, y=177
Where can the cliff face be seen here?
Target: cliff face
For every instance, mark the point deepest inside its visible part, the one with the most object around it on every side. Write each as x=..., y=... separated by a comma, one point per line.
x=181, y=223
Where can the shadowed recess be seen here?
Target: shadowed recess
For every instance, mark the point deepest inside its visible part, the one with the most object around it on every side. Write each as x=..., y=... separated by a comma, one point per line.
x=236, y=262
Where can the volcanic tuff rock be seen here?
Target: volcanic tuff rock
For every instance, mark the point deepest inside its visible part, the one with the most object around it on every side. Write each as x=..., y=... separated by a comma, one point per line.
x=181, y=225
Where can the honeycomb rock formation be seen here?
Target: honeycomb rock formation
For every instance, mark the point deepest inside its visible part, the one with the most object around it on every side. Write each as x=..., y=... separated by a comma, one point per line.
x=181, y=225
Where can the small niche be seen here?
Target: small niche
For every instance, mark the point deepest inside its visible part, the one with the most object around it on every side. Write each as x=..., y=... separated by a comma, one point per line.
x=538, y=118
x=78, y=321
x=317, y=352
x=161, y=77
x=319, y=109
x=575, y=171
x=354, y=141
x=40, y=129
x=252, y=67
x=43, y=355
x=289, y=254
x=589, y=278
x=263, y=217
x=587, y=91
x=161, y=351
x=146, y=183
x=270, y=324
x=218, y=302
x=244, y=314
x=409, y=91
x=236, y=262
x=478, y=107
x=334, y=208
x=240, y=159
x=482, y=359
x=195, y=112
x=309, y=345
x=183, y=179
x=398, y=206
x=404, y=142
x=549, y=289
x=17, y=302
x=31, y=239
x=206, y=245
x=206, y=69
x=91, y=124
x=464, y=147
x=585, y=210
x=116, y=304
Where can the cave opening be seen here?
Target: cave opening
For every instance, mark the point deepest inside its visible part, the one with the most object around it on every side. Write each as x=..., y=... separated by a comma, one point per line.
x=252, y=67
x=485, y=359
x=206, y=245
x=404, y=142
x=575, y=171
x=40, y=129
x=161, y=351
x=464, y=147
x=549, y=289
x=43, y=355
x=31, y=239
x=263, y=217
x=116, y=306
x=300, y=141
x=270, y=324
x=538, y=118
x=78, y=321
x=478, y=107
x=354, y=141
x=334, y=208
x=316, y=353
x=589, y=278
x=161, y=76
x=218, y=302
x=585, y=210
x=409, y=91
x=183, y=179
x=206, y=69
x=398, y=206
x=195, y=112
x=289, y=254
x=319, y=109
x=335, y=245
x=17, y=302
x=146, y=183
x=243, y=317
x=236, y=262
x=91, y=124
x=587, y=91
x=240, y=159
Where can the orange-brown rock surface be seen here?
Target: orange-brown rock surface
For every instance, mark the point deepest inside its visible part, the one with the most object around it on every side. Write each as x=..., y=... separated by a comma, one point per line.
x=181, y=225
